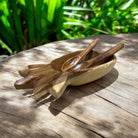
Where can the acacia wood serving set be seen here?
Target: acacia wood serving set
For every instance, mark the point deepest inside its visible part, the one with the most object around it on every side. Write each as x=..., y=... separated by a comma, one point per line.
x=77, y=68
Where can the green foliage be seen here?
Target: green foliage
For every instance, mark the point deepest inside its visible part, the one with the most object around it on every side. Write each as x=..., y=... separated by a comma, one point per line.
x=94, y=17
x=28, y=23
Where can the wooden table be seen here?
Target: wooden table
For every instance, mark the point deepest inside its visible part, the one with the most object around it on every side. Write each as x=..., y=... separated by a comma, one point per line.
x=107, y=107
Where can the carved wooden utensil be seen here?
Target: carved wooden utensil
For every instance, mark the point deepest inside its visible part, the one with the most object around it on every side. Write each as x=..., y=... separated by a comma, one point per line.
x=49, y=78
x=98, y=59
x=71, y=62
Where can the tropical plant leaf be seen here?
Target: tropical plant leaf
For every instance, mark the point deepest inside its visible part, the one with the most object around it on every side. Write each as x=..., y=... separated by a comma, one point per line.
x=67, y=35
x=9, y=36
x=72, y=14
x=17, y=22
x=38, y=11
x=51, y=10
x=28, y=23
x=127, y=5
x=30, y=19
x=4, y=46
x=58, y=18
x=77, y=8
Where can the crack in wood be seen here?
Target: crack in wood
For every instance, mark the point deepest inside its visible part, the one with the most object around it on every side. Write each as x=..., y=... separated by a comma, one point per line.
x=116, y=105
x=87, y=126
x=111, y=102
x=84, y=124
x=14, y=115
x=113, y=92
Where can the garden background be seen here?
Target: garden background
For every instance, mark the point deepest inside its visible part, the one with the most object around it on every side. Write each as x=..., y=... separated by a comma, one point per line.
x=28, y=23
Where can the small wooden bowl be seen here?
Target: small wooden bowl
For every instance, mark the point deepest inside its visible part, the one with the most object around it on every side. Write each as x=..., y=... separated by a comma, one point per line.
x=80, y=77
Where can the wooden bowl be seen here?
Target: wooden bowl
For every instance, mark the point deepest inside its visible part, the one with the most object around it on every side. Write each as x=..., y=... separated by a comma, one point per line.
x=80, y=77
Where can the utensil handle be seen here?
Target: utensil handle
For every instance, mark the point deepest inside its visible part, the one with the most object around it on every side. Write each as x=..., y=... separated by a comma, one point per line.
x=104, y=55
x=88, y=49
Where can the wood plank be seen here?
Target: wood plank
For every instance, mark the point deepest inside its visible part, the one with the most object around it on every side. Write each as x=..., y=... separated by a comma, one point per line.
x=19, y=120
x=12, y=126
x=125, y=92
x=26, y=102
x=118, y=92
x=104, y=108
x=103, y=117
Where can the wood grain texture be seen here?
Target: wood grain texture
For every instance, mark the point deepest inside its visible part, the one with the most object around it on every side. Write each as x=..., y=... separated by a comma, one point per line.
x=107, y=107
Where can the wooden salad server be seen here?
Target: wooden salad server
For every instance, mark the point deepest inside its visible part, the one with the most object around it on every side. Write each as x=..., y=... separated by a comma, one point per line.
x=71, y=62
x=98, y=59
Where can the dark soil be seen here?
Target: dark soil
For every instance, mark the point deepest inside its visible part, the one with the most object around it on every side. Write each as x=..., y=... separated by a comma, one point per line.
x=3, y=52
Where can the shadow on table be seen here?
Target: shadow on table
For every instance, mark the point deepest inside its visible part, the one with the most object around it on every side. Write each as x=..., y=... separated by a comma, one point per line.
x=77, y=92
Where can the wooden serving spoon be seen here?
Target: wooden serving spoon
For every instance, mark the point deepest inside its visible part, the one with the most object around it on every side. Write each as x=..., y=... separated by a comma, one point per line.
x=73, y=61
x=98, y=59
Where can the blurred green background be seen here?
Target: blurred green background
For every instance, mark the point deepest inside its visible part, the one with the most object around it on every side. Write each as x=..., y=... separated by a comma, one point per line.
x=28, y=23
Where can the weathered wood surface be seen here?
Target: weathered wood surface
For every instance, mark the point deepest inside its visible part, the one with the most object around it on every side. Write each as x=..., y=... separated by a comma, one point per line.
x=107, y=107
